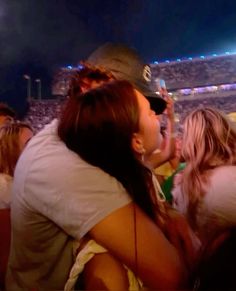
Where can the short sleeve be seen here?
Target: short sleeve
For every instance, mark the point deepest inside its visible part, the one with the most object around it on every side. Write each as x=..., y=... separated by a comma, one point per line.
x=75, y=197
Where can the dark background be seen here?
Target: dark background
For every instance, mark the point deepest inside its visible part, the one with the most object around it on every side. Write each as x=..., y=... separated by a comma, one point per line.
x=38, y=36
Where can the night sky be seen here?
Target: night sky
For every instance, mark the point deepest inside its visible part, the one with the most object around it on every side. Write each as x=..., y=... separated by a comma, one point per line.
x=38, y=36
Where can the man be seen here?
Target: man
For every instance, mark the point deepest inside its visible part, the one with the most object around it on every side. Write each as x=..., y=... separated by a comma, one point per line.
x=50, y=209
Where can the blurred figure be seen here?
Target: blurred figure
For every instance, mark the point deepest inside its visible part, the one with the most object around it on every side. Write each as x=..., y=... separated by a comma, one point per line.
x=13, y=138
x=206, y=187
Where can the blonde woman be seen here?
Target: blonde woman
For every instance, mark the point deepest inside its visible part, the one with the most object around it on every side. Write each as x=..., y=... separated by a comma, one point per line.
x=13, y=138
x=206, y=190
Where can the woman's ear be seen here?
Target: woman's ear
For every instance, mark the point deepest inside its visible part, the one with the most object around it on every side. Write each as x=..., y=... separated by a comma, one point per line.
x=137, y=144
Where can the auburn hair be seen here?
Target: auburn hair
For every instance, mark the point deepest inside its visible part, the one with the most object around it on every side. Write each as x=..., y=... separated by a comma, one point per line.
x=99, y=125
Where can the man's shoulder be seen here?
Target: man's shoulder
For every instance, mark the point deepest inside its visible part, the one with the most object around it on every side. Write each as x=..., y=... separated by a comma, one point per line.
x=46, y=156
x=46, y=145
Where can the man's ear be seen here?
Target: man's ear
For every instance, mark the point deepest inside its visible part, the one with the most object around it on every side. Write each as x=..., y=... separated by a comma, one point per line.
x=137, y=144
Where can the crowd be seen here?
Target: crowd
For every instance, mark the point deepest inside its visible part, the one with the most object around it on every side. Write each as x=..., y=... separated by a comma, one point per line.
x=186, y=74
x=109, y=195
x=197, y=73
x=44, y=111
x=184, y=107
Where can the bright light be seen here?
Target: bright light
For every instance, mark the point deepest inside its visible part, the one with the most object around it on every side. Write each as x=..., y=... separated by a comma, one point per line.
x=27, y=77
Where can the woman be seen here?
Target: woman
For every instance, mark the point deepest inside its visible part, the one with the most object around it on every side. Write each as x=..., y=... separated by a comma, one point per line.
x=13, y=138
x=112, y=127
x=207, y=187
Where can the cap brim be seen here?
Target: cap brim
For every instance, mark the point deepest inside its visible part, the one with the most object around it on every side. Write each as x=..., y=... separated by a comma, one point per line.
x=157, y=104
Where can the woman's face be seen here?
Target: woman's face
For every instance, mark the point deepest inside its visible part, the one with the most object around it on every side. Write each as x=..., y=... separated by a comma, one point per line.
x=25, y=135
x=149, y=125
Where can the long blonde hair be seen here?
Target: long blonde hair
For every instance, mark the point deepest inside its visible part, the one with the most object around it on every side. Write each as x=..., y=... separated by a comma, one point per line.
x=209, y=141
x=10, y=146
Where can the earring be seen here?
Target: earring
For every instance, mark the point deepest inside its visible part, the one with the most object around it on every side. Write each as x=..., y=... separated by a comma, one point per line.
x=142, y=152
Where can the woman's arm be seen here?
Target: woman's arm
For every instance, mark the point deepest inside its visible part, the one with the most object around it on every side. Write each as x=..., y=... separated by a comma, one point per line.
x=137, y=242
x=105, y=272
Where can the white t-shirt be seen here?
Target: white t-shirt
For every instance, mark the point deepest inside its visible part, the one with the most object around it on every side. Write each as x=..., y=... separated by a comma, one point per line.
x=57, y=197
x=217, y=209
x=5, y=190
